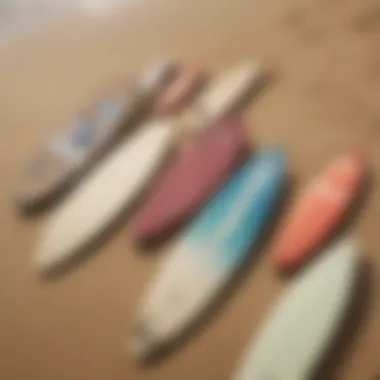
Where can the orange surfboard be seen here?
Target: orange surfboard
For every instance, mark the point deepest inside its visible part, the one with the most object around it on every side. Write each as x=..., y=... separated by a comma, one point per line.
x=318, y=211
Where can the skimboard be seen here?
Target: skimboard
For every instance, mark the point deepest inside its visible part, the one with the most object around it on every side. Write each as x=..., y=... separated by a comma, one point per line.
x=299, y=330
x=100, y=198
x=198, y=170
x=185, y=85
x=319, y=210
x=208, y=255
x=60, y=161
x=223, y=95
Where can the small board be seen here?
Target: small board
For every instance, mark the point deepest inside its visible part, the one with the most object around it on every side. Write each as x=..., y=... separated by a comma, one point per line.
x=156, y=77
x=98, y=128
x=223, y=95
x=319, y=210
x=296, y=335
x=101, y=197
x=209, y=254
x=185, y=86
x=192, y=177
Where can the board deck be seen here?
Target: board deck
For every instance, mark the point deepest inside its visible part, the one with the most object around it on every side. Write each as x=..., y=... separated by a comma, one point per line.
x=198, y=170
x=221, y=97
x=99, y=199
x=319, y=210
x=297, y=333
x=208, y=255
x=97, y=129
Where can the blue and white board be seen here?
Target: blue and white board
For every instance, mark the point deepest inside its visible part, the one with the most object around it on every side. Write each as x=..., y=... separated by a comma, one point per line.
x=297, y=333
x=208, y=255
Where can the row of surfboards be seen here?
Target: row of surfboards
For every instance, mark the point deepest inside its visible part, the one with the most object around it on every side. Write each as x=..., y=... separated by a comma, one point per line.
x=231, y=195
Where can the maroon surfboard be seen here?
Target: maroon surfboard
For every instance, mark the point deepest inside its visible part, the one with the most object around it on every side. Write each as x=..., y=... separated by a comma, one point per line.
x=200, y=168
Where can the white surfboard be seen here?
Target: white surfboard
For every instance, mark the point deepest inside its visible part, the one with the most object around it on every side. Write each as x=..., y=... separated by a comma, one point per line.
x=222, y=95
x=103, y=194
x=207, y=256
x=297, y=333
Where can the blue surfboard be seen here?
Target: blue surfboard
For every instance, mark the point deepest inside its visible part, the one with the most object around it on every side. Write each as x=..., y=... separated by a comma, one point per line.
x=208, y=255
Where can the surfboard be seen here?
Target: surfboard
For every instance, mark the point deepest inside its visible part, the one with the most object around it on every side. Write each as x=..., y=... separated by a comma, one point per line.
x=185, y=85
x=222, y=96
x=99, y=199
x=170, y=202
x=318, y=210
x=156, y=77
x=208, y=255
x=192, y=177
x=98, y=127
x=299, y=330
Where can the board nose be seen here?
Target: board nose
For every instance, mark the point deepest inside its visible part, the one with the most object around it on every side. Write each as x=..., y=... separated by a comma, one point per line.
x=141, y=344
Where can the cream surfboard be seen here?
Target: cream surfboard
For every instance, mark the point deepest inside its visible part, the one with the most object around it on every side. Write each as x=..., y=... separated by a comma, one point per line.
x=208, y=255
x=103, y=194
x=298, y=332
x=223, y=95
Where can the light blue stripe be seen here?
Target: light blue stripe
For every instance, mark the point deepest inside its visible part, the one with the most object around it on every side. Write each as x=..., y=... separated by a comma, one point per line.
x=233, y=220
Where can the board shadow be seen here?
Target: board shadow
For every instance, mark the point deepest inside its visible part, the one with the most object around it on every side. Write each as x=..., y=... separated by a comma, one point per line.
x=339, y=351
x=190, y=97
x=200, y=324
x=255, y=92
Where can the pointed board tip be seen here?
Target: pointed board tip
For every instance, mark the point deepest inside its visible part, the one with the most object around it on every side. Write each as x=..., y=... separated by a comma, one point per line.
x=44, y=263
x=287, y=263
x=275, y=154
x=140, y=344
x=46, y=259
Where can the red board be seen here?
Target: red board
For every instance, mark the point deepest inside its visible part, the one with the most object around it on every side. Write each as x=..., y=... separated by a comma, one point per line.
x=201, y=167
x=318, y=211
